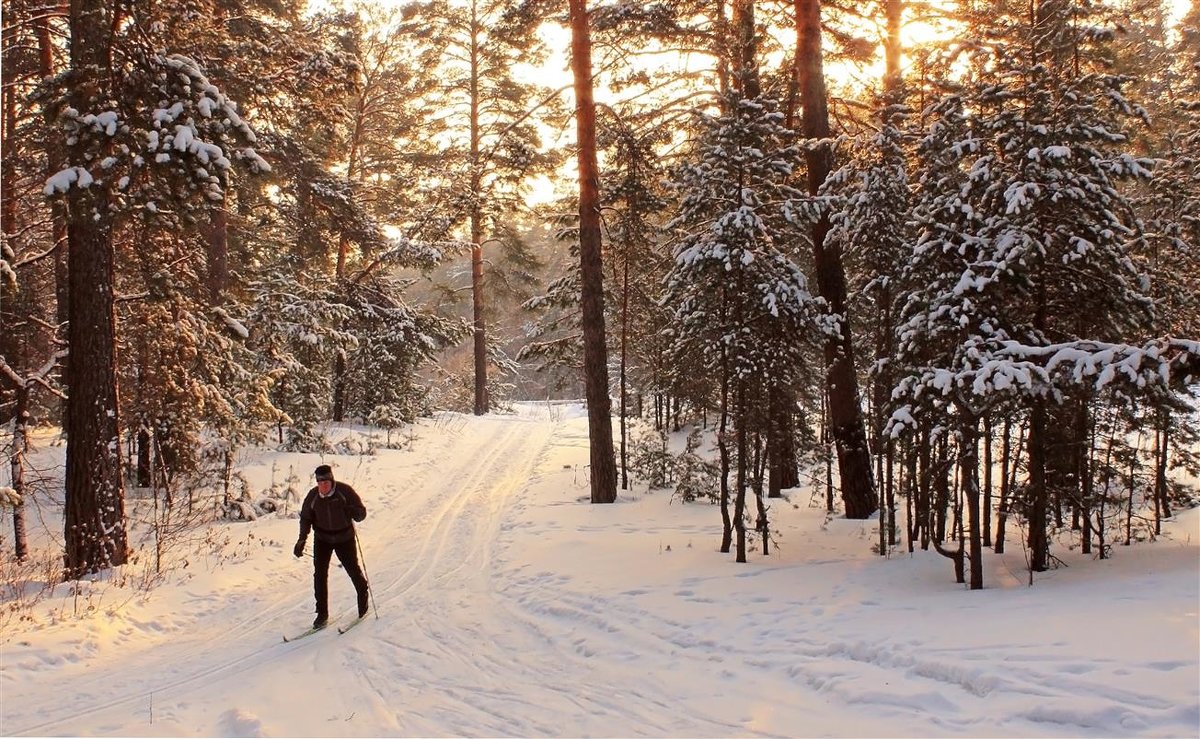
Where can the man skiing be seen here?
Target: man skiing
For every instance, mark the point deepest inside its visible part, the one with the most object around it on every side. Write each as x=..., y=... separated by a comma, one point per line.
x=330, y=510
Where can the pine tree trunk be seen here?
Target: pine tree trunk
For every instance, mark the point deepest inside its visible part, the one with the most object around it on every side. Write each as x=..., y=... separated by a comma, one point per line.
x=784, y=472
x=17, y=467
x=352, y=171
x=218, y=255
x=1039, y=544
x=827, y=443
x=1161, y=490
x=624, y=367
x=144, y=468
x=477, y=302
x=745, y=46
x=987, y=480
x=1087, y=465
x=941, y=491
x=595, y=354
x=849, y=433
x=969, y=466
x=778, y=412
x=924, y=487
x=739, y=501
x=723, y=452
x=1002, y=505
x=910, y=458
x=1133, y=465
x=94, y=522
x=761, y=523
x=10, y=342
x=54, y=163
x=884, y=342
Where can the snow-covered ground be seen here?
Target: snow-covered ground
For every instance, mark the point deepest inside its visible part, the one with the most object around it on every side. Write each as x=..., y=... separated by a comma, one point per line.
x=509, y=606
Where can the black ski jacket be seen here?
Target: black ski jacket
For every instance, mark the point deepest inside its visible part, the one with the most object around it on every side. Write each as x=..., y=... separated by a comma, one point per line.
x=332, y=519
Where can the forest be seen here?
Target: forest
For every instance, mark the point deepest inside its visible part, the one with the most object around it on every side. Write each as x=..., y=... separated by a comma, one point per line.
x=939, y=259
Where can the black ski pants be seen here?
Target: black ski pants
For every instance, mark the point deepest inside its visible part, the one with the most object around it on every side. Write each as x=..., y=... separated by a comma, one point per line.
x=347, y=554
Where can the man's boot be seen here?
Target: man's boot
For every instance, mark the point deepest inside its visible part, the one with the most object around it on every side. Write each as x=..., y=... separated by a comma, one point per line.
x=362, y=602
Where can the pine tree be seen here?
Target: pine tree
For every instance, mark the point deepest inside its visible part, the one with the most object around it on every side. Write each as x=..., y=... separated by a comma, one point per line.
x=1025, y=240
x=741, y=305
x=490, y=116
x=603, y=477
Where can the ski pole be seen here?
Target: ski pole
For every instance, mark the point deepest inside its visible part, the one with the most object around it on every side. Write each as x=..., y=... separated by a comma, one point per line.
x=362, y=560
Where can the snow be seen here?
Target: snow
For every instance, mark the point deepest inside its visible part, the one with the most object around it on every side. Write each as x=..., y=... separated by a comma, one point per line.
x=62, y=180
x=509, y=606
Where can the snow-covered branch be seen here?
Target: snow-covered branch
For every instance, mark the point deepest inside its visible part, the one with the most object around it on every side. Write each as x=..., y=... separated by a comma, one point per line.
x=1016, y=369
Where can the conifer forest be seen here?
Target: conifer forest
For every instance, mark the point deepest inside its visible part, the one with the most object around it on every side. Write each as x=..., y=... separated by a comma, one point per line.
x=939, y=260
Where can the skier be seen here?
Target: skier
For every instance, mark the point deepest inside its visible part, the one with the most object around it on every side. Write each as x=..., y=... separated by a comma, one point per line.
x=330, y=510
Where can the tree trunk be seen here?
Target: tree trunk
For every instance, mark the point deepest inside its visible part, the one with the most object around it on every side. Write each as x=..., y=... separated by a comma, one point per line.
x=1161, y=490
x=745, y=46
x=477, y=302
x=1133, y=465
x=723, y=452
x=10, y=341
x=17, y=466
x=1087, y=501
x=761, y=523
x=1002, y=505
x=939, y=479
x=849, y=433
x=55, y=163
x=910, y=459
x=925, y=478
x=882, y=386
x=739, y=500
x=144, y=468
x=624, y=367
x=987, y=481
x=777, y=411
x=94, y=522
x=352, y=169
x=969, y=467
x=1039, y=544
x=595, y=353
x=218, y=255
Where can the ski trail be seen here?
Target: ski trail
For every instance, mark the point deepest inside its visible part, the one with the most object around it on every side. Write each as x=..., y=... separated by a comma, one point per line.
x=246, y=643
x=447, y=619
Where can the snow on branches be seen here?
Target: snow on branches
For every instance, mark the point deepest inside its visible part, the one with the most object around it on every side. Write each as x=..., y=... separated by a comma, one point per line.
x=166, y=140
x=1015, y=369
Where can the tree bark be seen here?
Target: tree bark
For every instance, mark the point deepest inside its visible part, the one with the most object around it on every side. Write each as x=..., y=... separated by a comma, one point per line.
x=987, y=480
x=739, y=496
x=595, y=352
x=94, y=522
x=17, y=466
x=624, y=370
x=54, y=163
x=477, y=303
x=1039, y=544
x=777, y=413
x=745, y=50
x=849, y=433
x=1161, y=489
x=10, y=343
x=969, y=466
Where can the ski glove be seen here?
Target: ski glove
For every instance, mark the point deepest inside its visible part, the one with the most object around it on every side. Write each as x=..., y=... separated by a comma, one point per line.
x=299, y=550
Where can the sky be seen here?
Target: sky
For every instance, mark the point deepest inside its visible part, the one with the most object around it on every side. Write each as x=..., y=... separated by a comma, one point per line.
x=505, y=604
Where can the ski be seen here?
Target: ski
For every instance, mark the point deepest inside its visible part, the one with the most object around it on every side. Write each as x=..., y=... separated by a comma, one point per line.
x=310, y=632
x=351, y=625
